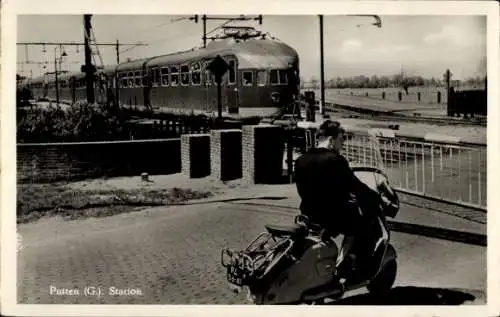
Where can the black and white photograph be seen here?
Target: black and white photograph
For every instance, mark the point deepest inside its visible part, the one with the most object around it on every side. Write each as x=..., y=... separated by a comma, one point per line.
x=266, y=158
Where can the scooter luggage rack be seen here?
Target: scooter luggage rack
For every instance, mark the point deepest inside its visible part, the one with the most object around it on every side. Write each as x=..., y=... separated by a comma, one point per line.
x=256, y=257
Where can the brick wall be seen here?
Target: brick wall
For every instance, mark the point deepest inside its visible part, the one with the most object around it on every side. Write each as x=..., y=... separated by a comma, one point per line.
x=47, y=162
x=225, y=154
x=262, y=153
x=195, y=155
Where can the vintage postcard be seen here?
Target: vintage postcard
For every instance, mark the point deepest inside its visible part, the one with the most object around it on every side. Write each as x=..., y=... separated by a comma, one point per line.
x=229, y=158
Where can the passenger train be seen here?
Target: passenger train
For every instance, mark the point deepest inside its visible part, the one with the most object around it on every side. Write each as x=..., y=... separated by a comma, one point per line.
x=262, y=77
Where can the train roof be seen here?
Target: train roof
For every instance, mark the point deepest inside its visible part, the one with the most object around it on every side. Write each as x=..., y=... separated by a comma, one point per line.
x=108, y=69
x=132, y=65
x=254, y=53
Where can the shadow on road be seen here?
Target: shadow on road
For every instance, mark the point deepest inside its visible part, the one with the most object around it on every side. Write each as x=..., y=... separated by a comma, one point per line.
x=410, y=295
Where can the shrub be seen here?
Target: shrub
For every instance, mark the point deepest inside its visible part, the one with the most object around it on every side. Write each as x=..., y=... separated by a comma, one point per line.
x=78, y=122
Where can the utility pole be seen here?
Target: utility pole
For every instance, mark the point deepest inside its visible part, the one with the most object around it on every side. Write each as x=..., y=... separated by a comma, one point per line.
x=204, y=18
x=57, y=78
x=117, y=78
x=89, y=73
x=447, y=77
x=322, y=74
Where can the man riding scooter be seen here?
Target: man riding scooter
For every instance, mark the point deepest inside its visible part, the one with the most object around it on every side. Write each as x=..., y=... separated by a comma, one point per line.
x=336, y=200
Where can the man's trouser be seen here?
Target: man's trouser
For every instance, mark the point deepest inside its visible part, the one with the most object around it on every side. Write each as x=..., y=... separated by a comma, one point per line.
x=364, y=230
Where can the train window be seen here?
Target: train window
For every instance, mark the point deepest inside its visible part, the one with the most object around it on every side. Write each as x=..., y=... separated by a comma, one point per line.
x=261, y=77
x=154, y=76
x=247, y=78
x=232, y=73
x=123, y=80
x=152, y=73
x=185, y=75
x=196, y=74
x=158, y=76
x=208, y=75
x=278, y=77
x=282, y=76
x=131, y=82
x=164, y=76
x=138, y=79
x=174, y=76
x=275, y=80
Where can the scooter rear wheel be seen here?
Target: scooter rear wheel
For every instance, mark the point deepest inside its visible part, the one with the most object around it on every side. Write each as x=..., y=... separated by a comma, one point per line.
x=383, y=282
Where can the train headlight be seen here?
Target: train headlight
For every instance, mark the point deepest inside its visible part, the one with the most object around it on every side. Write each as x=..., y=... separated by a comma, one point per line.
x=275, y=97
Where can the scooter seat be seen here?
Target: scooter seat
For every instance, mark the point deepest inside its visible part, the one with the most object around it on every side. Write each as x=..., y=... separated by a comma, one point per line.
x=286, y=230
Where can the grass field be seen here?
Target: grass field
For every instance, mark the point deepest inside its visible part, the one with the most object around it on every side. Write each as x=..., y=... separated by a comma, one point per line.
x=35, y=201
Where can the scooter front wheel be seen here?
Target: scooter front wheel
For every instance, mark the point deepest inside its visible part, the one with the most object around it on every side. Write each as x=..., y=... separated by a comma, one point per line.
x=383, y=282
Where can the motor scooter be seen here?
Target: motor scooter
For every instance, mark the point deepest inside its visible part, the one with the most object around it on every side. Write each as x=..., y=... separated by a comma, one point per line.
x=300, y=263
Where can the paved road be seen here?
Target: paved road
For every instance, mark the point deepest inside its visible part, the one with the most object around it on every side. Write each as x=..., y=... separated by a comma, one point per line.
x=172, y=256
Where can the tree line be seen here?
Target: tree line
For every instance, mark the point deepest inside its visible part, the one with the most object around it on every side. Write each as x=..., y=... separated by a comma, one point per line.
x=398, y=80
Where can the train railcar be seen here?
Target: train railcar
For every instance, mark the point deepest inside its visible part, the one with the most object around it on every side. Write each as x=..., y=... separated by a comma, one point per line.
x=256, y=82
x=65, y=87
x=78, y=86
x=105, y=85
x=37, y=86
x=262, y=77
x=131, y=82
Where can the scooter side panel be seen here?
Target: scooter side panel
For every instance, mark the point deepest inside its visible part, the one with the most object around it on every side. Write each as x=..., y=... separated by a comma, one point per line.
x=315, y=267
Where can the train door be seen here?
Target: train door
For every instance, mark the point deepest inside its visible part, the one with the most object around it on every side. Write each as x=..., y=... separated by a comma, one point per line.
x=232, y=88
x=209, y=87
x=154, y=74
x=146, y=84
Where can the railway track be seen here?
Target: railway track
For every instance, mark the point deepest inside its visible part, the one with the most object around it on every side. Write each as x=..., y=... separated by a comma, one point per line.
x=365, y=113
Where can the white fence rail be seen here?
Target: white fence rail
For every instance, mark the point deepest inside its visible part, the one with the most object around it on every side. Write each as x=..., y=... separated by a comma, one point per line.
x=452, y=172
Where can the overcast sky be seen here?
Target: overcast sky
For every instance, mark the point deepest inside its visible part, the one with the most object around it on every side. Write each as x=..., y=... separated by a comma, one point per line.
x=419, y=45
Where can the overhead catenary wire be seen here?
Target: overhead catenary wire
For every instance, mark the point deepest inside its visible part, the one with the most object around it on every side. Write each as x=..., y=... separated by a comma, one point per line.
x=97, y=51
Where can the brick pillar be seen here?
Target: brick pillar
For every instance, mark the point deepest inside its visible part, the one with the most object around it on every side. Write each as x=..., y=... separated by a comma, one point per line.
x=263, y=149
x=195, y=155
x=225, y=154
